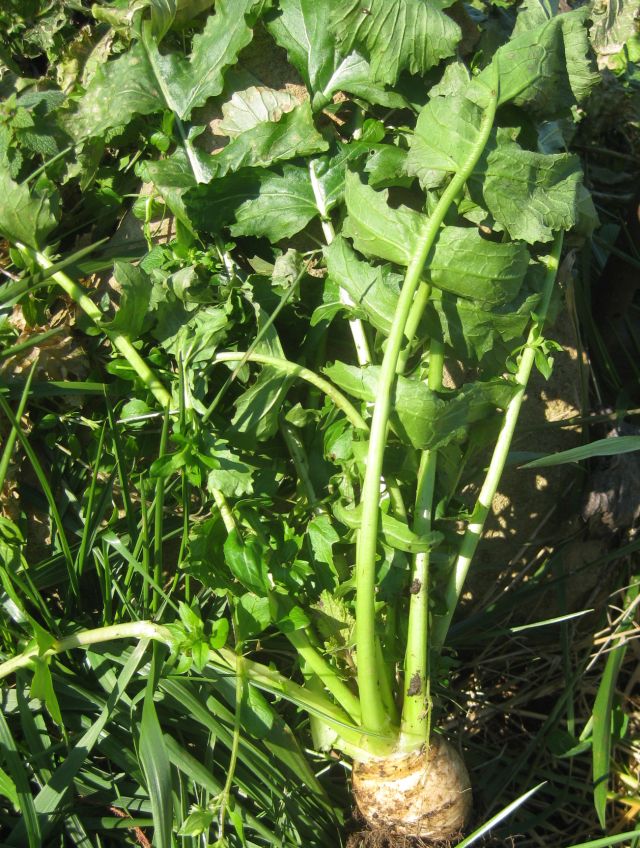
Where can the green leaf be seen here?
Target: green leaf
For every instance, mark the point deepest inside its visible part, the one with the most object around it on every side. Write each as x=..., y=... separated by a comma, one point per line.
x=601, y=447
x=396, y=35
x=446, y=130
x=273, y=204
x=157, y=770
x=8, y=789
x=293, y=134
x=143, y=81
x=545, y=70
x=302, y=29
x=135, y=296
x=376, y=228
x=190, y=618
x=374, y=290
x=172, y=178
x=532, y=194
x=322, y=536
x=253, y=614
x=219, y=633
x=42, y=689
x=465, y=263
x=197, y=823
x=200, y=654
x=472, y=331
x=252, y=106
x=420, y=416
x=256, y=714
x=386, y=166
x=25, y=217
x=233, y=477
x=246, y=562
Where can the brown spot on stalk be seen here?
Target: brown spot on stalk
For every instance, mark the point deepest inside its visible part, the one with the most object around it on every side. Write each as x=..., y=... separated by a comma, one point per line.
x=415, y=684
x=415, y=587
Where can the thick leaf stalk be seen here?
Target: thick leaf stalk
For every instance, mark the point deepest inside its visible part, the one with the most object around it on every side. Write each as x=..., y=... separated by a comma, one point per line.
x=416, y=700
x=374, y=716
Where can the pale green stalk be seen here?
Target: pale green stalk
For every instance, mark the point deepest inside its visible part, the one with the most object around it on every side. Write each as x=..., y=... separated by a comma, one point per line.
x=416, y=708
x=473, y=533
x=121, y=342
x=292, y=369
x=356, y=326
x=326, y=673
x=373, y=713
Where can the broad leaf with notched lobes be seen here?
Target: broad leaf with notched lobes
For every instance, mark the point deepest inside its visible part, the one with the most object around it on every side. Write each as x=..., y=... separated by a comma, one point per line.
x=546, y=70
x=255, y=202
x=142, y=80
x=396, y=35
x=301, y=27
x=531, y=194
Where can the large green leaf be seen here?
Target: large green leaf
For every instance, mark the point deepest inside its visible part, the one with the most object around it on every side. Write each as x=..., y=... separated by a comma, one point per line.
x=375, y=290
x=532, y=194
x=471, y=330
x=546, y=70
x=24, y=217
x=255, y=202
x=302, y=29
x=420, y=416
x=462, y=261
x=294, y=134
x=376, y=228
x=446, y=130
x=465, y=263
x=143, y=80
x=396, y=35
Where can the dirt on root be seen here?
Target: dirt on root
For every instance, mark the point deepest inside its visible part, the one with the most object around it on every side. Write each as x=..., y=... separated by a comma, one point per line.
x=386, y=837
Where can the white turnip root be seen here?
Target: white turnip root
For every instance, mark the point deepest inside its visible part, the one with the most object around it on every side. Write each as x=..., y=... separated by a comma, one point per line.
x=426, y=793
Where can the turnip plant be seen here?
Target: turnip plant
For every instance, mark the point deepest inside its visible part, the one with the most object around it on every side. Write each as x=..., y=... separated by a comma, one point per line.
x=371, y=241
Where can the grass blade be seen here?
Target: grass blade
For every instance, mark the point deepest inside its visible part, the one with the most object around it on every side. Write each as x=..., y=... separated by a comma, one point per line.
x=16, y=767
x=53, y=793
x=503, y=814
x=606, y=841
x=602, y=731
x=601, y=447
x=157, y=769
